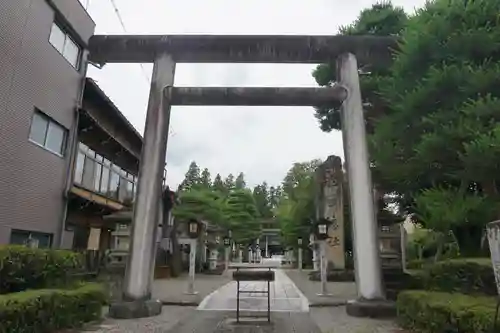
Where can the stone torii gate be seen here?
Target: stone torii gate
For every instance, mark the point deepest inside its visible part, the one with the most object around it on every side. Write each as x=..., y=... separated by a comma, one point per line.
x=165, y=52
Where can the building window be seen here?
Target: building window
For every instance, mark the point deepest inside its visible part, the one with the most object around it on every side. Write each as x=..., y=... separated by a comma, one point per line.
x=31, y=239
x=65, y=45
x=105, y=180
x=80, y=161
x=98, y=174
x=47, y=133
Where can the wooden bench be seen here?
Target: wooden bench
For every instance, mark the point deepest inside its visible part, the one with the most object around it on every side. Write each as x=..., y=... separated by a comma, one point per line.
x=253, y=275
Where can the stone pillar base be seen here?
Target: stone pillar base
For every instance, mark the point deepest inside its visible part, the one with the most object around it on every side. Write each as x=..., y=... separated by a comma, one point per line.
x=135, y=309
x=379, y=308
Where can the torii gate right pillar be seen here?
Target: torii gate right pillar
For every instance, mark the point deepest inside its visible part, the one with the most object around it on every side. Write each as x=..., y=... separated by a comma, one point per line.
x=371, y=299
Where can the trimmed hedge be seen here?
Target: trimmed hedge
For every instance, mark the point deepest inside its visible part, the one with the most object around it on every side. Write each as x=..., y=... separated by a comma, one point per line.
x=437, y=312
x=23, y=268
x=47, y=310
x=468, y=276
x=417, y=264
x=336, y=275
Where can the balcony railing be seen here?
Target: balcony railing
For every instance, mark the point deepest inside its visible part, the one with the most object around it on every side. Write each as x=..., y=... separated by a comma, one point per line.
x=97, y=174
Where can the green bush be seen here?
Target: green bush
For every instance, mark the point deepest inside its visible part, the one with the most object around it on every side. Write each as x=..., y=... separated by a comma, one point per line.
x=416, y=264
x=467, y=276
x=437, y=312
x=23, y=268
x=47, y=310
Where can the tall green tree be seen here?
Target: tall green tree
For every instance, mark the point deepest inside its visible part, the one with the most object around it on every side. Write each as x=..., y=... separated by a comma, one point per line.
x=297, y=176
x=205, y=179
x=218, y=184
x=261, y=197
x=296, y=205
x=192, y=177
x=201, y=204
x=274, y=196
x=240, y=182
x=242, y=216
x=382, y=19
x=439, y=137
x=229, y=184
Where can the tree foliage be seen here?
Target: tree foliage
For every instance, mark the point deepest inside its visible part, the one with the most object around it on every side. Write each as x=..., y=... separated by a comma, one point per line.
x=242, y=216
x=201, y=204
x=205, y=179
x=296, y=205
x=229, y=184
x=262, y=200
x=192, y=177
x=433, y=114
x=218, y=184
x=227, y=204
x=382, y=19
x=240, y=182
x=442, y=130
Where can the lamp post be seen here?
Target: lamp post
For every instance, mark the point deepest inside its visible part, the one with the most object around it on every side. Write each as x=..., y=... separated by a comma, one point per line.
x=240, y=253
x=299, y=242
x=227, y=247
x=193, y=233
x=322, y=235
x=250, y=254
x=314, y=246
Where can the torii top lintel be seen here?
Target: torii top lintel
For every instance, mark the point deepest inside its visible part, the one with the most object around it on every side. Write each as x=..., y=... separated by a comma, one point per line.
x=240, y=49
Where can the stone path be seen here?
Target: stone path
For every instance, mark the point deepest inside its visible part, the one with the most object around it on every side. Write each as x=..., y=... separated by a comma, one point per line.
x=285, y=296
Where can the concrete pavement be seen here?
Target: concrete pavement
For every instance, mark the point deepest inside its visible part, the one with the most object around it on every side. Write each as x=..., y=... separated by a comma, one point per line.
x=285, y=296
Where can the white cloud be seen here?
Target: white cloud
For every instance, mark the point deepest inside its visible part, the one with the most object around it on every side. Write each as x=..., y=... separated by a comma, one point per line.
x=261, y=142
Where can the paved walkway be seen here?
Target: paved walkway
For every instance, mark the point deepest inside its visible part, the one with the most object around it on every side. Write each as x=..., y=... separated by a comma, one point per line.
x=285, y=296
x=173, y=291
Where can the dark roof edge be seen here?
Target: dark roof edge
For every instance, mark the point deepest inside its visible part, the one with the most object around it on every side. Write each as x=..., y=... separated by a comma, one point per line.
x=93, y=84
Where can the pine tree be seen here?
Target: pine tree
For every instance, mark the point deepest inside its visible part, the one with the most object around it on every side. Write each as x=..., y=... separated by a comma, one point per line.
x=229, y=183
x=205, y=179
x=192, y=177
x=240, y=182
x=261, y=197
x=218, y=184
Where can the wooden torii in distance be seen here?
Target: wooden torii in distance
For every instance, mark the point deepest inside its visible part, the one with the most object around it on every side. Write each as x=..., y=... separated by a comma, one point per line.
x=165, y=51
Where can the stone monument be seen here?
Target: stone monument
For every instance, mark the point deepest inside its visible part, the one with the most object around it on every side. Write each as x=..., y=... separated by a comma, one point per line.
x=329, y=205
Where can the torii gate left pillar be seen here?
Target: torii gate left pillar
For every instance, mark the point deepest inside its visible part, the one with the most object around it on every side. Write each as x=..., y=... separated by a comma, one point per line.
x=140, y=266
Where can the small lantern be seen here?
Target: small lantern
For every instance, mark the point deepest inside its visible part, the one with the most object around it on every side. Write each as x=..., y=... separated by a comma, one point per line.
x=193, y=228
x=299, y=241
x=230, y=233
x=227, y=241
x=217, y=240
x=322, y=229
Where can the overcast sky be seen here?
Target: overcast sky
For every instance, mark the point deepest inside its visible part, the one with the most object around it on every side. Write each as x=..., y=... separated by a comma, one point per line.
x=262, y=142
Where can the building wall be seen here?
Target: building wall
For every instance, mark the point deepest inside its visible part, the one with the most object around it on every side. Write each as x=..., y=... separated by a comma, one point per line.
x=34, y=74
